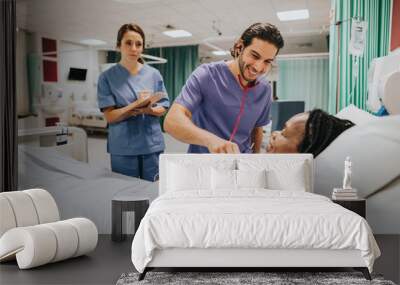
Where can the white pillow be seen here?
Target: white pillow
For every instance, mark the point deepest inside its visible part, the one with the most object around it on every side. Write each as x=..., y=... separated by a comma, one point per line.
x=357, y=116
x=282, y=174
x=189, y=173
x=223, y=179
x=226, y=179
x=283, y=178
x=183, y=177
x=251, y=178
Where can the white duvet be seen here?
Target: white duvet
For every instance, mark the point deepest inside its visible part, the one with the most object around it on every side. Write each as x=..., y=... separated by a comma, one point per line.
x=253, y=218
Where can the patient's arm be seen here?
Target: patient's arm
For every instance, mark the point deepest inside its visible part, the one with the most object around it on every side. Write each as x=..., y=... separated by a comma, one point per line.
x=178, y=123
x=256, y=138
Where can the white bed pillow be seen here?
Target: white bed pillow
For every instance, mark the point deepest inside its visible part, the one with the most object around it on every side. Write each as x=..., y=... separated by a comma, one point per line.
x=193, y=174
x=251, y=178
x=223, y=179
x=356, y=115
x=282, y=178
x=226, y=179
x=281, y=174
x=188, y=177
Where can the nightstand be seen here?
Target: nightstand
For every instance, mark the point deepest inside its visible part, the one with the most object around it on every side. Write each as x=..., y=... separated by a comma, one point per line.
x=358, y=206
x=137, y=204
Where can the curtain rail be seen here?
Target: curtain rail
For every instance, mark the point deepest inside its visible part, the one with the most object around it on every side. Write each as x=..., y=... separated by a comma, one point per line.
x=303, y=56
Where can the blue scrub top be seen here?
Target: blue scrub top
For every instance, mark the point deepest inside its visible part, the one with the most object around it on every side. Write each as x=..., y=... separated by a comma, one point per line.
x=139, y=134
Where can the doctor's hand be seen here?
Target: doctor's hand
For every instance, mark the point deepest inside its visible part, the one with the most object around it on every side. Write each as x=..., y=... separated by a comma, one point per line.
x=219, y=145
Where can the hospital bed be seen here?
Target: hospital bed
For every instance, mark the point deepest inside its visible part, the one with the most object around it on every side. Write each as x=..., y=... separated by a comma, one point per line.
x=246, y=211
x=86, y=115
x=78, y=188
x=374, y=147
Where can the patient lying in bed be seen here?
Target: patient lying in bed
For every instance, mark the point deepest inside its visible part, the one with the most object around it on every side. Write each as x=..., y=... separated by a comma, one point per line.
x=309, y=132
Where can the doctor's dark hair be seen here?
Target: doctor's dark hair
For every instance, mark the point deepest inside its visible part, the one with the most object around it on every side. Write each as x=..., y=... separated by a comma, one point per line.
x=263, y=31
x=134, y=28
x=321, y=129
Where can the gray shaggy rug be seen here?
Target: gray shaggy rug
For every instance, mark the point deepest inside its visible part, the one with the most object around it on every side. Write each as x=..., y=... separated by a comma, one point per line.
x=242, y=278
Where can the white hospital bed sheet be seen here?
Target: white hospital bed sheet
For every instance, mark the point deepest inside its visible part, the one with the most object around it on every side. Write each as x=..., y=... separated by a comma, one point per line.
x=78, y=188
x=250, y=219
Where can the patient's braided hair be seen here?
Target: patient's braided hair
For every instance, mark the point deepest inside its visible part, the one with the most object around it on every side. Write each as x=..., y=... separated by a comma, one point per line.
x=321, y=129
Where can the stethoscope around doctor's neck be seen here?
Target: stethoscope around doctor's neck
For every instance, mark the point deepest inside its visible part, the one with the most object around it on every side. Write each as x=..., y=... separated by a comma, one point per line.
x=246, y=89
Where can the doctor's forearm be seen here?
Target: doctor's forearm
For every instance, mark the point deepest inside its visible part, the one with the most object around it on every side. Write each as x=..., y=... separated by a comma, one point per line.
x=180, y=126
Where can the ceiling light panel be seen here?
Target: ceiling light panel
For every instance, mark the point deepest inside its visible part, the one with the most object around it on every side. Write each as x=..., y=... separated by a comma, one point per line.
x=92, y=42
x=177, y=33
x=293, y=15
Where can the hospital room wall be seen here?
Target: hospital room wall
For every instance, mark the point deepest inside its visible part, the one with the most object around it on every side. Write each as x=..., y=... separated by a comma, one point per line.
x=68, y=55
x=79, y=56
x=304, y=79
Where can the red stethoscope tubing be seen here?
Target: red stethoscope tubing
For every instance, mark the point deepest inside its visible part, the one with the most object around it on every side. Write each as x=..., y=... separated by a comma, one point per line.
x=242, y=104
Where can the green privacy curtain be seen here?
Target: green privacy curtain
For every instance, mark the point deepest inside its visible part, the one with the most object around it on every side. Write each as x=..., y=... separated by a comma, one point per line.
x=182, y=60
x=304, y=79
x=344, y=88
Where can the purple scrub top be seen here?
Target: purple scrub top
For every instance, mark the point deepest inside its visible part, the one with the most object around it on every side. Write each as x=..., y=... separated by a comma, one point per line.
x=213, y=95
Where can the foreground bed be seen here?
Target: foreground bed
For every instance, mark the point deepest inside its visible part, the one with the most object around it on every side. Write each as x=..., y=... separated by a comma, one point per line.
x=213, y=212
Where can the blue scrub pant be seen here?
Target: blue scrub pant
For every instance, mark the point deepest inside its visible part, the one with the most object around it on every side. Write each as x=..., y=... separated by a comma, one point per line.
x=141, y=166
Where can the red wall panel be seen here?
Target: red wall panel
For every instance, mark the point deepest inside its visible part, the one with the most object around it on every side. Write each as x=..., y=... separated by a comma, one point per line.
x=395, y=37
x=50, y=71
x=49, y=47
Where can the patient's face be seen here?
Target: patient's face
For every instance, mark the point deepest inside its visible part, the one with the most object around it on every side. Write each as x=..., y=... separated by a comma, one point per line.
x=288, y=139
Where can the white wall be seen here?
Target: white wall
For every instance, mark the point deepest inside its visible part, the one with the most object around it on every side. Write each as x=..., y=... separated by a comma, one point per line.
x=78, y=56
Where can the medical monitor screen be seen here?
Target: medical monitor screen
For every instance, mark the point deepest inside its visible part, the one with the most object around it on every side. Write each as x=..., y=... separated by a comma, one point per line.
x=77, y=74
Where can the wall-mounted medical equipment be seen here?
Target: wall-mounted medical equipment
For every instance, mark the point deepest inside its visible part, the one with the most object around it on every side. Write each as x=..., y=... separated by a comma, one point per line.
x=384, y=84
x=50, y=107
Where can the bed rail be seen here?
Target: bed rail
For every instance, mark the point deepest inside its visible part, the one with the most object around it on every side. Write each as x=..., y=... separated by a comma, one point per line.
x=75, y=146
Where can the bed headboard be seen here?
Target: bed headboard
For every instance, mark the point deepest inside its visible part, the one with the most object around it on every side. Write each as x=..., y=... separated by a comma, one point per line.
x=76, y=147
x=205, y=159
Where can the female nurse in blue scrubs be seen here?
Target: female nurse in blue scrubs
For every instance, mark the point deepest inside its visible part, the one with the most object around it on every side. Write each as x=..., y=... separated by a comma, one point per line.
x=135, y=140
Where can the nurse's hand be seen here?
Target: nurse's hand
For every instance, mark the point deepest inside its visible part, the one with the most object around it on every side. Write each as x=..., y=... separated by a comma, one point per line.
x=157, y=111
x=219, y=145
x=136, y=112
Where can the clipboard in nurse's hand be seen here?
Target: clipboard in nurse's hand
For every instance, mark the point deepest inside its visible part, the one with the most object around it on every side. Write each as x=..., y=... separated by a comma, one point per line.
x=148, y=100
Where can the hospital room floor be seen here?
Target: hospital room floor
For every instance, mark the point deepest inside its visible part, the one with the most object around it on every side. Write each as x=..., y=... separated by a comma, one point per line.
x=111, y=259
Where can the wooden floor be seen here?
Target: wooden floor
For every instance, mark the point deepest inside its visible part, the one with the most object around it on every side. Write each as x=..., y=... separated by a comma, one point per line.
x=110, y=260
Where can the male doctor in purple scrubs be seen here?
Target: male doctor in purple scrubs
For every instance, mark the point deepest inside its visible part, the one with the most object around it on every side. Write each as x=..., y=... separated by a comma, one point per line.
x=224, y=105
